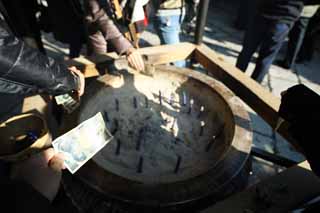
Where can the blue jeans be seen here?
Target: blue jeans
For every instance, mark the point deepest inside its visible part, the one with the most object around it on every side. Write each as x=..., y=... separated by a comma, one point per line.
x=168, y=28
x=269, y=35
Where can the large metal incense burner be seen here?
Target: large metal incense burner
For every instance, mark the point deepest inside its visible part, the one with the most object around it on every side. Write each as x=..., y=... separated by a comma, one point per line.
x=179, y=137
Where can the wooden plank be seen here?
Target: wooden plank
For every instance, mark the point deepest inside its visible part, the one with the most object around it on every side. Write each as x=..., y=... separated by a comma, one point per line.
x=261, y=100
x=88, y=65
x=264, y=103
x=155, y=55
x=169, y=53
x=279, y=193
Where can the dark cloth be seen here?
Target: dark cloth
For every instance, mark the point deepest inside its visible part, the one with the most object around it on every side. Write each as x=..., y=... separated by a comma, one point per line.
x=101, y=29
x=66, y=19
x=296, y=37
x=22, y=16
x=13, y=105
x=18, y=197
x=246, y=12
x=284, y=11
x=269, y=35
x=23, y=19
x=270, y=27
x=308, y=45
x=25, y=71
x=300, y=107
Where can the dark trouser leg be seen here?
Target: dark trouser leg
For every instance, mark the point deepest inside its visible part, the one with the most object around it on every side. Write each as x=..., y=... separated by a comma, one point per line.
x=296, y=36
x=307, y=47
x=251, y=42
x=274, y=37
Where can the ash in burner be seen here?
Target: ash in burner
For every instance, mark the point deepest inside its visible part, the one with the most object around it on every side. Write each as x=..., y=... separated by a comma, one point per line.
x=166, y=129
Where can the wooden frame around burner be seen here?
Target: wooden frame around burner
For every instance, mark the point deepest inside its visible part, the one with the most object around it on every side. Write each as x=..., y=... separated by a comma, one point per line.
x=264, y=103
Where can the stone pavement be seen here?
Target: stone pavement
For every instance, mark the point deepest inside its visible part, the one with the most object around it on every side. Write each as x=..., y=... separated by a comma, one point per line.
x=221, y=36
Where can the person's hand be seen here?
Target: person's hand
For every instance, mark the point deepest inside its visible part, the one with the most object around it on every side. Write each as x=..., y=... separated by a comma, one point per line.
x=81, y=80
x=42, y=171
x=135, y=59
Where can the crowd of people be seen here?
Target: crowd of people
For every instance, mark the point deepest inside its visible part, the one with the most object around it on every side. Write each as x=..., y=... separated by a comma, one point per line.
x=26, y=70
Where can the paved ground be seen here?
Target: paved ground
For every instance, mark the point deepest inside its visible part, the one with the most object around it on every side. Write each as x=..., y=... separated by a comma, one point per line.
x=221, y=36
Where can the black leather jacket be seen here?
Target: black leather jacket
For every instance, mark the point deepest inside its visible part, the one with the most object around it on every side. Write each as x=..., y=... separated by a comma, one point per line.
x=25, y=71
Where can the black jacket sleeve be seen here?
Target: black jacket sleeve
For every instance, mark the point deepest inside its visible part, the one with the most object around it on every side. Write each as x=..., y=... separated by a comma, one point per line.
x=26, y=71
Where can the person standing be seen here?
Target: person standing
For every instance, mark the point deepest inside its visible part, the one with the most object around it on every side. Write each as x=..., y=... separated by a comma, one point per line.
x=189, y=21
x=65, y=18
x=296, y=36
x=269, y=29
x=30, y=185
x=102, y=30
x=24, y=72
x=168, y=19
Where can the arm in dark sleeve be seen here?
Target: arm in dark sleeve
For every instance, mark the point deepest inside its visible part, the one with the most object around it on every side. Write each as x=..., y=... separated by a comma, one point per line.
x=26, y=71
x=96, y=16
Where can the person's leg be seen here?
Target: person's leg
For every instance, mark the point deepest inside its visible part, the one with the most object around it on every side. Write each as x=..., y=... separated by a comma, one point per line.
x=252, y=39
x=296, y=36
x=307, y=47
x=168, y=28
x=274, y=37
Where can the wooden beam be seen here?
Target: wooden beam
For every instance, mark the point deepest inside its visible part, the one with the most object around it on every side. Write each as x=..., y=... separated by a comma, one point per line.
x=251, y=92
x=264, y=103
x=169, y=53
x=87, y=67
x=280, y=193
x=155, y=55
